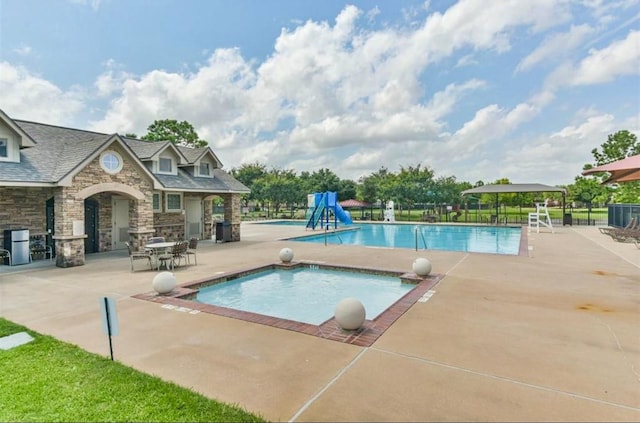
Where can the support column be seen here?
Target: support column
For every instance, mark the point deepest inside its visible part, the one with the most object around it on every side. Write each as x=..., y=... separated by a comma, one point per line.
x=207, y=212
x=140, y=222
x=232, y=214
x=69, y=243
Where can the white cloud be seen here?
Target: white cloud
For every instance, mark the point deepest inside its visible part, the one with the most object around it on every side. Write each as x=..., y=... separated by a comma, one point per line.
x=555, y=46
x=23, y=50
x=560, y=156
x=93, y=4
x=342, y=96
x=618, y=59
x=30, y=97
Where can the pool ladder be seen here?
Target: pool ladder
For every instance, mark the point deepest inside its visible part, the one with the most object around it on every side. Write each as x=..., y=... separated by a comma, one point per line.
x=424, y=241
x=326, y=231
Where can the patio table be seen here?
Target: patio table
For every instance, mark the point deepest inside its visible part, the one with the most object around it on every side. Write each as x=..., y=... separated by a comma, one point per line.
x=157, y=249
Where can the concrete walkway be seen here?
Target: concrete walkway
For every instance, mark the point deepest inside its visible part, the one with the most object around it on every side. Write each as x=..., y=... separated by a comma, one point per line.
x=554, y=336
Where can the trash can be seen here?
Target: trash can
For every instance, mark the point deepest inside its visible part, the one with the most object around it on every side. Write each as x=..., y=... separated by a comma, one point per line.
x=567, y=219
x=223, y=231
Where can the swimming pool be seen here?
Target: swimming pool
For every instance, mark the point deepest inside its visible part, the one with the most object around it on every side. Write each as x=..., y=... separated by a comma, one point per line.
x=467, y=238
x=183, y=298
x=307, y=294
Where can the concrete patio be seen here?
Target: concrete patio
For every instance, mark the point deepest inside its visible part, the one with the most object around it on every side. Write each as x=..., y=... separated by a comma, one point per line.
x=553, y=336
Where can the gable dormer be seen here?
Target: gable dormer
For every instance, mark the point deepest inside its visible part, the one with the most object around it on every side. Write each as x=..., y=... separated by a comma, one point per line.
x=167, y=160
x=12, y=139
x=201, y=162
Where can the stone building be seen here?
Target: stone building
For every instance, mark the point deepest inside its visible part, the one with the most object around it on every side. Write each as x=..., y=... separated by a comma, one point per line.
x=84, y=192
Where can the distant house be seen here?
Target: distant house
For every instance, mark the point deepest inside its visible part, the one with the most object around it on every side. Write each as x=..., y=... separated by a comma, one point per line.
x=85, y=192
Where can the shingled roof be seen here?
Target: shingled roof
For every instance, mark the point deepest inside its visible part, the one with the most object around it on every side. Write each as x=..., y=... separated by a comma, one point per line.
x=59, y=151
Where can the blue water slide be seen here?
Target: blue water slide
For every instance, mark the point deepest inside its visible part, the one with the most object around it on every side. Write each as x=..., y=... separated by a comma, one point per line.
x=318, y=212
x=342, y=215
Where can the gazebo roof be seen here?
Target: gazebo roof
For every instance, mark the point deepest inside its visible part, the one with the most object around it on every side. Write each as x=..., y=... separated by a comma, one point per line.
x=349, y=204
x=505, y=188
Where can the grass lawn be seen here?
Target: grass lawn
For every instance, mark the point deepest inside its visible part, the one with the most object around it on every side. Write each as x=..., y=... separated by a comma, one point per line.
x=49, y=380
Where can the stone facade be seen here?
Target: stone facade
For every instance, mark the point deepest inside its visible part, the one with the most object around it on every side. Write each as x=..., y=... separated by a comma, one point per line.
x=25, y=207
x=130, y=182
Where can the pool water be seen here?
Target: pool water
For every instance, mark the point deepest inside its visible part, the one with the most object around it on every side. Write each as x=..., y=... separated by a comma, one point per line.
x=307, y=294
x=476, y=239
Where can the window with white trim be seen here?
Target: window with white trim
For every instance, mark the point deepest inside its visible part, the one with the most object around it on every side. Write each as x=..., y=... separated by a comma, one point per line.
x=111, y=162
x=157, y=205
x=205, y=169
x=4, y=148
x=165, y=165
x=173, y=202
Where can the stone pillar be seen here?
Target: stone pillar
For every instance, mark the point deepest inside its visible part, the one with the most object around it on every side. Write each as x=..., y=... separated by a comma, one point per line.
x=207, y=212
x=232, y=214
x=140, y=222
x=69, y=211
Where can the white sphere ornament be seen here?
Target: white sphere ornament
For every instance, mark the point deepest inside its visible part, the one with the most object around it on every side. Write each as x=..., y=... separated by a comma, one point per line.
x=286, y=255
x=350, y=314
x=164, y=282
x=422, y=266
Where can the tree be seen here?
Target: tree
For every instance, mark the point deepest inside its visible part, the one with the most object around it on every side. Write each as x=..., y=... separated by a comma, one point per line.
x=320, y=181
x=179, y=133
x=618, y=146
x=248, y=174
x=412, y=185
x=282, y=187
x=348, y=189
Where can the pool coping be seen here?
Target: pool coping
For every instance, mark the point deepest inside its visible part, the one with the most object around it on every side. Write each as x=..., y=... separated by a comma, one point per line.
x=365, y=336
x=522, y=246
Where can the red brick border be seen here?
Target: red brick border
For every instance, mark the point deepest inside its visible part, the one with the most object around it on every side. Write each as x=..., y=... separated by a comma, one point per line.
x=364, y=337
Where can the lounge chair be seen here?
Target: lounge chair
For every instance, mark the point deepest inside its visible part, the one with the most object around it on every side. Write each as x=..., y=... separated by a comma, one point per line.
x=633, y=224
x=625, y=235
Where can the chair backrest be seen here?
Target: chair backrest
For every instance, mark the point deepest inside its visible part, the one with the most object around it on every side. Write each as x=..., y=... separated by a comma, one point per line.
x=155, y=239
x=193, y=243
x=128, y=247
x=177, y=248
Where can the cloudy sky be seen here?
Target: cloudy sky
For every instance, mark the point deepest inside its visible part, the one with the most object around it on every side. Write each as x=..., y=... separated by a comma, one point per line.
x=476, y=89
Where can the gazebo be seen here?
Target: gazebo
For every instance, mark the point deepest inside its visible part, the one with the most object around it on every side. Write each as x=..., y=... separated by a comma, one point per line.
x=511, y=188
x=355, y=204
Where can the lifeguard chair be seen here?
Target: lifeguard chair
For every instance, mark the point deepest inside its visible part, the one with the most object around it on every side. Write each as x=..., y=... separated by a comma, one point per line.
x=540, y=217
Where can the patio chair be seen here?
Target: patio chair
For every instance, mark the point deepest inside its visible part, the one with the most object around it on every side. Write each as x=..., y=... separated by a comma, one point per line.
x=191, y=251
x=165, y=258
x=179, y=252
x=138, y=255
x=5, y=254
